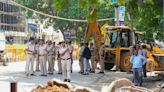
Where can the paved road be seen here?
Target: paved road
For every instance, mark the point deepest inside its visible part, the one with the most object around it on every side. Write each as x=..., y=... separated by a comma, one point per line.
x=15, y=72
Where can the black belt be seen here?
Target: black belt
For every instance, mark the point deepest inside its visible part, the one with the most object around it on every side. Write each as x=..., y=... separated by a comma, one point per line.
x=66, y=59
x=41, y=55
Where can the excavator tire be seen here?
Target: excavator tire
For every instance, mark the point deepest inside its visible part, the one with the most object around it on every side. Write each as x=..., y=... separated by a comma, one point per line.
x=125, y=64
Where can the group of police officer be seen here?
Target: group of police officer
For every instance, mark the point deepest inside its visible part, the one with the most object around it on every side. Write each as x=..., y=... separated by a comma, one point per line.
x=42, y=52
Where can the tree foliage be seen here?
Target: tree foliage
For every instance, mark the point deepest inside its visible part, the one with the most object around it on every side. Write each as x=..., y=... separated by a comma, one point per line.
x=144, y=15
x=72, y=9
x=147, y=17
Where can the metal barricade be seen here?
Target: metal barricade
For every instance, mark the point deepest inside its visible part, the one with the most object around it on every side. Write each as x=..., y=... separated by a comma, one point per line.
x=14, y=53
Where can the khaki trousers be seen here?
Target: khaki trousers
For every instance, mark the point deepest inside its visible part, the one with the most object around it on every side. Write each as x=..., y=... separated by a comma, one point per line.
x=29, y=64
x=66, y=68
x=51, y=63
x=102, y=64
x=81, y=64
x=43, y=65
x=93, y=63
x=37, y=63
x=59, y=66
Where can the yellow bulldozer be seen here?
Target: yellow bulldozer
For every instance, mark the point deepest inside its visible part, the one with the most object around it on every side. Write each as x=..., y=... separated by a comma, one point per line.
x=118, y=41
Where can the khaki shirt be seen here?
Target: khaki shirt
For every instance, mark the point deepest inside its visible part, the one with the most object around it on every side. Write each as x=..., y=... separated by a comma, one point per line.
x=37, y=48
x=101, y=51
x=31, y=48
x=51, y=49
x=66, y=55
x=42, y=49
x=92, y=51
x=81, y=50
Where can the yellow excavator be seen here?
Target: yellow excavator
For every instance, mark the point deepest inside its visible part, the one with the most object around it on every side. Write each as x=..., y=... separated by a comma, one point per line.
x=118, y=42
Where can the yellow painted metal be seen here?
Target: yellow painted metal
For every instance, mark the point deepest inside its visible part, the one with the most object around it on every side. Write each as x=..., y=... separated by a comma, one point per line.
x=15, y=52
x=93, y=28
x=104, y=33
x=149, y=55
x=118, y=54
x=158, y=50
x=101, y=35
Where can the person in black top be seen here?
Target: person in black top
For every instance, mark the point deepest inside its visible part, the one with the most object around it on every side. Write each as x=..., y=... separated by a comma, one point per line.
x=86, y=56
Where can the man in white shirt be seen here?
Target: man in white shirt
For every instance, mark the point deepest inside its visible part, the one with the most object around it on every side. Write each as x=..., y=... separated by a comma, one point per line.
x=50, y=57
x=66, y=61
x=30, y=53
x=42, y=57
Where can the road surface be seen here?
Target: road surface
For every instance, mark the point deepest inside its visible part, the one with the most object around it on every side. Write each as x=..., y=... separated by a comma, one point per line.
x=15, y=72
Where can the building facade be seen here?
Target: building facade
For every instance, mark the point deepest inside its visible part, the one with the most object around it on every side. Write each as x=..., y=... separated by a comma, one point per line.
x=12, y=21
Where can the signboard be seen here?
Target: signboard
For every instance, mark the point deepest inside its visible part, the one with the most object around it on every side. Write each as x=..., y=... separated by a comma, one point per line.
x=121, y=13
x=70, y=35
x=67, y=35
x=31, y=26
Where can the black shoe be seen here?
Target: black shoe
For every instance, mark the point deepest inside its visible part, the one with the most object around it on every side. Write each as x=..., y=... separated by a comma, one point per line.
x=43, y=75
x=140, y=84
x=101, y=72
x=59, y=73
x=85, y=73
x=92, y=72
x=68, y=80
x=65, y=80
x=33, y=74
x=4, y=64
x=50, y=73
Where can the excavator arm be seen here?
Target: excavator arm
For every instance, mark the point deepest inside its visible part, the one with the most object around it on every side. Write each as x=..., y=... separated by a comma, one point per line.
x=94, y=29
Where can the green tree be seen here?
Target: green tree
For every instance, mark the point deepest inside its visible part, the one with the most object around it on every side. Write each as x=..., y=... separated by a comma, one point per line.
x=63, y=8
x=146, y=16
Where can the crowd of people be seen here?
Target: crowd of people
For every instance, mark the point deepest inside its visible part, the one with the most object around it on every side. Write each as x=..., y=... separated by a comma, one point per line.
x=48, y=52
x=42, y=55
x=43, y=52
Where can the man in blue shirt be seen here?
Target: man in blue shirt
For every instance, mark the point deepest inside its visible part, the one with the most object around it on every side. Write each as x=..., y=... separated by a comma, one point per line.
x=137, y=61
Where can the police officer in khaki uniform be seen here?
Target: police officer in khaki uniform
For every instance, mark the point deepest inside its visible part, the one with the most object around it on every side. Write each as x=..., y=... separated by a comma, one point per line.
x=66, y=61
x=30, y=53
x=92, y=58
x=50, y=57
x=102, y=55
x=42, y=57
x=69, y=44
x=37, y=57
x=58, y=58
x=81, y=58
